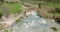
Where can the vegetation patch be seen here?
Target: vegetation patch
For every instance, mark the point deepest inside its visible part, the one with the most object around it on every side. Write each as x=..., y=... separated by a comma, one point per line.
x=54, y=13
x=54, y=5
x=5, y=31
x=10, y=8
x=51, y=3
x=14, y=7
x=17, y=21
x=54, y=28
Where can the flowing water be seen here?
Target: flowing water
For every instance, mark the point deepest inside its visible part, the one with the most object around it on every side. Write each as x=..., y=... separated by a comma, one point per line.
x=33, y=23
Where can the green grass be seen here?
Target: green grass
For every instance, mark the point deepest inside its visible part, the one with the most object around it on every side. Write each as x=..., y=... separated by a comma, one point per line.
x=55, y=13
x=5, y=31
x=43, y=3
x=14, y=7
x=54, y=5
x=8, y=30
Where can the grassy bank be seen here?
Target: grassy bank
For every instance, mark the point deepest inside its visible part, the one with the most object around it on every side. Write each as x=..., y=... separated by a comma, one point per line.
x=54, y=5
x=43, y=3
x=11, y=8
x=14, y=7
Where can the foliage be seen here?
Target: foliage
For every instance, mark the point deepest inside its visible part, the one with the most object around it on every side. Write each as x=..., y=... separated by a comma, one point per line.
x=10, y=30
x=14, y=7
x=54, y=5
x=17, y=20
x=5, y=31
x=54, y=28
x=51, y=3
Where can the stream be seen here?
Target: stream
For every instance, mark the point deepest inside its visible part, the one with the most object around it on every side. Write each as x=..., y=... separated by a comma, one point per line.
x=33, y=23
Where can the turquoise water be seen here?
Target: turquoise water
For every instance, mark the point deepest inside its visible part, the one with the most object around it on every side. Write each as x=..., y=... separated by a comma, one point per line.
x=34, y=23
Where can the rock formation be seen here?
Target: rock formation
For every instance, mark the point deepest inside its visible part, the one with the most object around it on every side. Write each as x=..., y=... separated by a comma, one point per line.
x=7, y=22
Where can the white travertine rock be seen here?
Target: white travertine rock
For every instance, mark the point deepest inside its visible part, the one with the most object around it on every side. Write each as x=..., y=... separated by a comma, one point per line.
x=10, y=20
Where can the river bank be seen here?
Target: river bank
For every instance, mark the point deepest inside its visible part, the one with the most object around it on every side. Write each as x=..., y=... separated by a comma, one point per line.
x=44, y=11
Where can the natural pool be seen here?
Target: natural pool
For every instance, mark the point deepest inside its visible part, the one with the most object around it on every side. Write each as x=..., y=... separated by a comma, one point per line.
x=34, y=23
